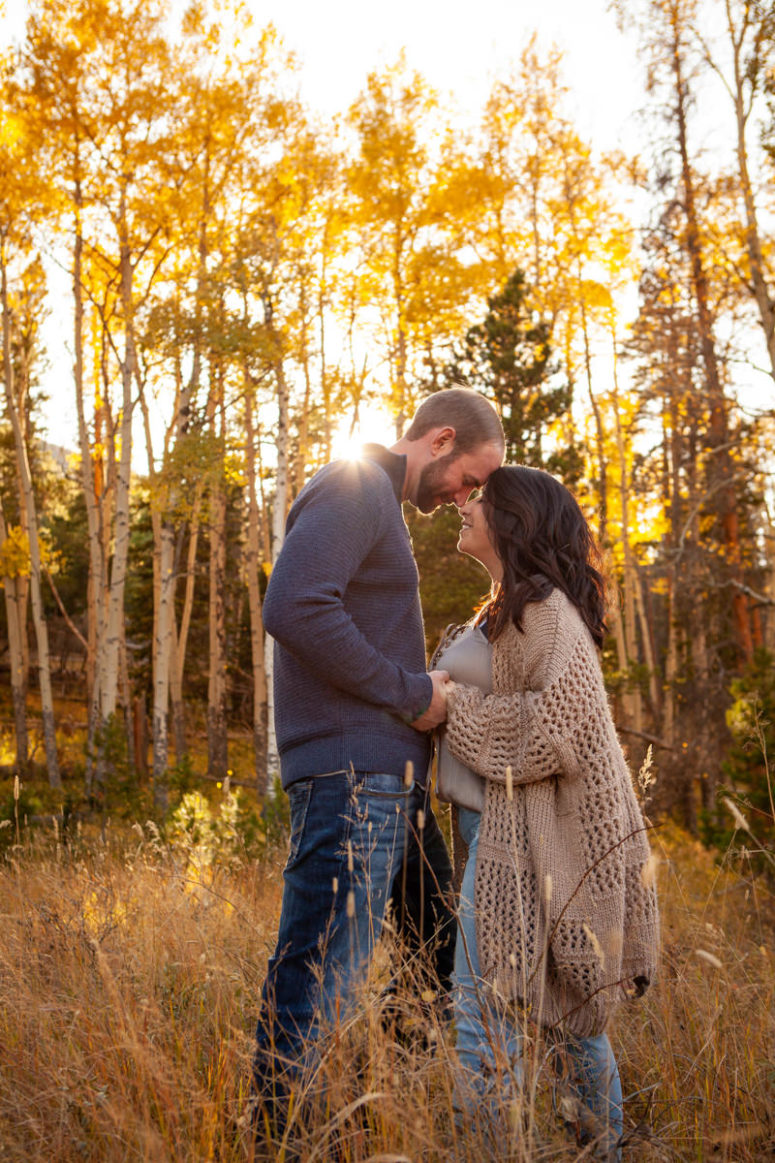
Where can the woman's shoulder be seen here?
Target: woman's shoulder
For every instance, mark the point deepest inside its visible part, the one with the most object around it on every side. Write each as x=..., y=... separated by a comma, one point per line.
x=561, y=609
x=555, y=613
x=551, y=629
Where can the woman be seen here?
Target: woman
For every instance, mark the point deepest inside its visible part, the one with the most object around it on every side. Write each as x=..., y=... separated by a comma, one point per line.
x=558, y=909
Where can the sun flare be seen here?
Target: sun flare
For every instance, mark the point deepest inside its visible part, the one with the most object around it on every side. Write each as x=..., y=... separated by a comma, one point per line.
x=373, y=425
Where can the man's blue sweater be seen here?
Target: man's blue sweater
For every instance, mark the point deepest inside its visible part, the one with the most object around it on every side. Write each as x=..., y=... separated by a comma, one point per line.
x=343, y=607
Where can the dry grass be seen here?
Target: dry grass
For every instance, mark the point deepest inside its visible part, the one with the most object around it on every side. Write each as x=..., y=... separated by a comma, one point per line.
x=130, y=983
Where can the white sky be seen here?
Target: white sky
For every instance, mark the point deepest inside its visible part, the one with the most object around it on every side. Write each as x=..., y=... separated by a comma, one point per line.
x=459, y=47
x=454, y=43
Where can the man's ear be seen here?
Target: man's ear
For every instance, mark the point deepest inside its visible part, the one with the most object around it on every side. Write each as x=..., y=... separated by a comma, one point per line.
x=443, y=441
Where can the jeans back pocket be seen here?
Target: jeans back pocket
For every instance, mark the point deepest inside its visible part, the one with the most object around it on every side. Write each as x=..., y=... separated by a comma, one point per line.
x=299, y=796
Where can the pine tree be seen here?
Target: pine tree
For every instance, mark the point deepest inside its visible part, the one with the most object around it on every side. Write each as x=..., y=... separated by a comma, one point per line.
x=508, y=357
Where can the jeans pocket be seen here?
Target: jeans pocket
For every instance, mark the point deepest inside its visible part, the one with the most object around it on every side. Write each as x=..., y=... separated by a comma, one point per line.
x=377, y=784
x=299, y=796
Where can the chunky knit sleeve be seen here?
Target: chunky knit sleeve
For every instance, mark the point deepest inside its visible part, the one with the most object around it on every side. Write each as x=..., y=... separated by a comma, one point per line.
x=547, y=689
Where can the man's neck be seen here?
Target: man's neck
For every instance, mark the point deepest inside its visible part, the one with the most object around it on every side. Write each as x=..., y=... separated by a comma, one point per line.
x=394, y=464
x=405, y=448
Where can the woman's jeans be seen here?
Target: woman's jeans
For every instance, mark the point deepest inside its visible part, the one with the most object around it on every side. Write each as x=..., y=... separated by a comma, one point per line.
x=357, y=840
x=488, y=1038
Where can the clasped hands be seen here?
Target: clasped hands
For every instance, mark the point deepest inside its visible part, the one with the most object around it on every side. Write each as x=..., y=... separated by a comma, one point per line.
x=436, y=713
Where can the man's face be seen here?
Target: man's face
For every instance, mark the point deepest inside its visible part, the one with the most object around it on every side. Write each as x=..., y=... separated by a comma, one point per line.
x=449, y=479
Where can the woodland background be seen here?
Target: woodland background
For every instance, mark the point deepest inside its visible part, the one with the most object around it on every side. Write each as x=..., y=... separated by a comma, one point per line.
x=247, y=278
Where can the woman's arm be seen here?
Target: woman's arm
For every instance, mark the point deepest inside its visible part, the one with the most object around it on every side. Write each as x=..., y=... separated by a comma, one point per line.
x=536, y=733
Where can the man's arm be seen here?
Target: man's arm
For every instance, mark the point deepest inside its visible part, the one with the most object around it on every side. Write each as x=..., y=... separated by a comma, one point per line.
x=334, y=531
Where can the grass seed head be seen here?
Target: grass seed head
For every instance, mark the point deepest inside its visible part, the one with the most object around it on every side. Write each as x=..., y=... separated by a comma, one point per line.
x=598, y=948
x=737, y=815
x=648, y=871
x=711, y=958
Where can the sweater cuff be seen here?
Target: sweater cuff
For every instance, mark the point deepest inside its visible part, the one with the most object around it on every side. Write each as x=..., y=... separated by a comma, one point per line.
x=425, y=698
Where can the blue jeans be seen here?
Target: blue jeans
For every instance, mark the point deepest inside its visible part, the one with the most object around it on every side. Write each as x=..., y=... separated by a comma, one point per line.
x=354, y=837
x=489, y=1041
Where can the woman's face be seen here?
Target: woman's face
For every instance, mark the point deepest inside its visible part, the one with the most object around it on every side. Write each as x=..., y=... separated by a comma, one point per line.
x=475, y=536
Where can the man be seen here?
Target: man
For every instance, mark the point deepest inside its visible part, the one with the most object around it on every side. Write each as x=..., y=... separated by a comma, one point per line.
x=353, y=706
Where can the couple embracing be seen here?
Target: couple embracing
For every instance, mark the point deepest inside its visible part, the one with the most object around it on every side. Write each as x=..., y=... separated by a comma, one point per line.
x=555, y=921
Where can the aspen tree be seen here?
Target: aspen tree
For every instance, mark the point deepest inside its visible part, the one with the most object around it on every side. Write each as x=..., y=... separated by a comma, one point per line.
x=21, y=193
x=100, y=75
x=56, y=64
x=16, y=627
x=750, y=39
x=413, y=285
x=253, y=566
x=14, y=590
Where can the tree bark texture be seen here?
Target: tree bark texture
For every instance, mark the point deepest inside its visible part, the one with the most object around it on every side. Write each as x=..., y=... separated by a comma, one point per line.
x=16, y=628
x=253, y=566
x=27, y=504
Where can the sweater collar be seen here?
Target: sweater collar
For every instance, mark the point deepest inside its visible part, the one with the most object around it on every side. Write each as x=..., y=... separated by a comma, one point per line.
x=394, y=464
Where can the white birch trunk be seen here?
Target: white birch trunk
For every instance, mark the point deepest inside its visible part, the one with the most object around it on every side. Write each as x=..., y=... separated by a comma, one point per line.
x=161, y=676
x=96, y=589
x=16, y=660
x=181, y=644
x=278, y=535
x=217, y=739
x=253, y=565
x=27, y=502
x=163, y=636
x=217, y=744
x=118, y=571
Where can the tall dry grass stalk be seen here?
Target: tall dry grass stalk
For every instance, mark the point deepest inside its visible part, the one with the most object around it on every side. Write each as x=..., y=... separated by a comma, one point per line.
x=130, y=984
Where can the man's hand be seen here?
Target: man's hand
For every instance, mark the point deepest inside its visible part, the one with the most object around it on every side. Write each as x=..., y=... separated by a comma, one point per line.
x=437, y=711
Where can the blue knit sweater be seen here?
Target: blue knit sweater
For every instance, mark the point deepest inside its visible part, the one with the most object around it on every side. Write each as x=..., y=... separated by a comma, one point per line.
x=343, y=607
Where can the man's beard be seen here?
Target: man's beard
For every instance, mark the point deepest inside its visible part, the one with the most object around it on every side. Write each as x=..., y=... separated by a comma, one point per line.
x=430, y=490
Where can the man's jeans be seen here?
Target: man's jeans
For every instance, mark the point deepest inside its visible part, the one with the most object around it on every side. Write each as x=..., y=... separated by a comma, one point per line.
x=355, y=840
x=488, y=1037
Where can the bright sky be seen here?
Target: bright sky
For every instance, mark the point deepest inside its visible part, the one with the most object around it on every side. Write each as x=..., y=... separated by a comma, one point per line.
x=459, y=47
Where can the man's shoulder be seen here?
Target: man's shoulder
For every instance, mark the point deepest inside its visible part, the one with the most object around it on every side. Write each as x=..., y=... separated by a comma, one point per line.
x=342, y=477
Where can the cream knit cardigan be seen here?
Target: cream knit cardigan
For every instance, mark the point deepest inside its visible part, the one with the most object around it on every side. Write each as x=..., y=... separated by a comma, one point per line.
x=566, y=910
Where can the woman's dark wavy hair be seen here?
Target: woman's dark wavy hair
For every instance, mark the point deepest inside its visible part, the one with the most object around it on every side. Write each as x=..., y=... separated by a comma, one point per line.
x=543, y=541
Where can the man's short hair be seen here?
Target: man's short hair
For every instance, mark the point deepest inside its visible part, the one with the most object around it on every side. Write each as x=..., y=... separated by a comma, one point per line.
x=471, y=415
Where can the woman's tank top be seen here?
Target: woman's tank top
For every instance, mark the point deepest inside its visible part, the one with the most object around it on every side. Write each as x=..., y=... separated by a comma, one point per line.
x=468, y=658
